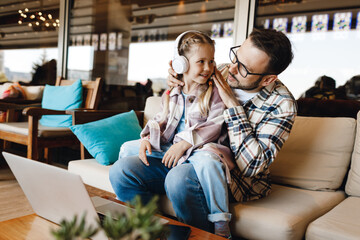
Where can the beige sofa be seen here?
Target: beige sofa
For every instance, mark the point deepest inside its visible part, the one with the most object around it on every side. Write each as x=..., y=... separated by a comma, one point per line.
x=308, y=199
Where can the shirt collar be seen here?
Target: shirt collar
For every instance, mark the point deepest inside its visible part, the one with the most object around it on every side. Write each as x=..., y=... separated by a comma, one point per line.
x=175, y=91
x=264, y=94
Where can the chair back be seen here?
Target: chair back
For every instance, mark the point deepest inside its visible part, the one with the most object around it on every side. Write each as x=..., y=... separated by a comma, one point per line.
x=91, y=91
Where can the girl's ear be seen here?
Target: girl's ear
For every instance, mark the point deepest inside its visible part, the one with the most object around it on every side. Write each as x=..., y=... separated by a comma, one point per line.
x=268, y=79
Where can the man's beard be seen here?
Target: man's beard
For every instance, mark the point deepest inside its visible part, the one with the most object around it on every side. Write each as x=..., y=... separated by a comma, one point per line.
x=250, y=87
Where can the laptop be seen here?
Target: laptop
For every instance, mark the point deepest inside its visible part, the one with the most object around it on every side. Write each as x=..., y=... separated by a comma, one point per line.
x=56, y=194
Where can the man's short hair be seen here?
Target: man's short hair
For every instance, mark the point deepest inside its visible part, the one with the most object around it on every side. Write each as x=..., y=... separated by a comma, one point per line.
x=276, y=45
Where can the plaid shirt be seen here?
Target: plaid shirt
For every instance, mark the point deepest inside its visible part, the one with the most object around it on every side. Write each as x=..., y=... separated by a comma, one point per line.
x=257, y=131
x=202, y=132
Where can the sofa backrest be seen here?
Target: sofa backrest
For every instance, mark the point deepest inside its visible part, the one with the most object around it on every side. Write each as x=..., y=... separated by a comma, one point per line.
x=152, y=107
x=352, y=186
x=317, y=154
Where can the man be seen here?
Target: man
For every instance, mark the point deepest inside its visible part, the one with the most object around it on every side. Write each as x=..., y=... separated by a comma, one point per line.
x=259, y=116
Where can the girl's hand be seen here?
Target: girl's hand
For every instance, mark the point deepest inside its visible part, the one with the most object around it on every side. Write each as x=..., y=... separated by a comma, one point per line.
x=174, y=153
x=144, y=146
x=225, y=91
x=172, y=80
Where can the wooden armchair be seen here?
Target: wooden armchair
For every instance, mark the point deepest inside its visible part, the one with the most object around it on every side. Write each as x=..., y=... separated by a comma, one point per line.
x=38, y=138
x=80, y=116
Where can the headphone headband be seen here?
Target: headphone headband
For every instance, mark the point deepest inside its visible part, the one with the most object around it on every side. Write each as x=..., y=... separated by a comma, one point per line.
x=178, y=40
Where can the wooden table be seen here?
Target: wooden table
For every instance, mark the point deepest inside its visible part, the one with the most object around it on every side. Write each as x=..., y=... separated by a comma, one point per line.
x=33, y=227
x=27, y=227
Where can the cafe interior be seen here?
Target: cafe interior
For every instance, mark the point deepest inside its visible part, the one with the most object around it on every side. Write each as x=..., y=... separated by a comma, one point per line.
x=121, y=50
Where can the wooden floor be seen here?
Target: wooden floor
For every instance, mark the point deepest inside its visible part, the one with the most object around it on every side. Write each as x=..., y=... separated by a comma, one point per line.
x=13, y=202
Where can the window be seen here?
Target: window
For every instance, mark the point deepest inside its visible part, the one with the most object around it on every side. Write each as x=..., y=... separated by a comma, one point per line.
x=155, y=28
x=99, y=41
x=325, y=40
x=28, y=40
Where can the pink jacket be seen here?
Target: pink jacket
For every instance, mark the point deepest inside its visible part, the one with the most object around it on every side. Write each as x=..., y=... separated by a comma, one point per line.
x=202, y=132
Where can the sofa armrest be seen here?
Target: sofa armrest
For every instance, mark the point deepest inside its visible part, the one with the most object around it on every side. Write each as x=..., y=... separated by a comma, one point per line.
x=38, y=112
x=5, y=105
x=80, y=116
x=14, y=106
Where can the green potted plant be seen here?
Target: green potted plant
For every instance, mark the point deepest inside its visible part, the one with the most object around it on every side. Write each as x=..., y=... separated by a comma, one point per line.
x=136, y=224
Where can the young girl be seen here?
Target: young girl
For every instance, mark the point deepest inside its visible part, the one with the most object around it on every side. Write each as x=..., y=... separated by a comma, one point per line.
x=189, y=129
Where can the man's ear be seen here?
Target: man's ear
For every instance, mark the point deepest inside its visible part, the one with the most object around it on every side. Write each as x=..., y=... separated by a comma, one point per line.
x=268, y=79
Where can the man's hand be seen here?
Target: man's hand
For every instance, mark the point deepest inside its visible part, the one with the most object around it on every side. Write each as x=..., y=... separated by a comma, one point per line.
x=225, y=91
x=172, y=80
x=174, y=153
x=144, y=146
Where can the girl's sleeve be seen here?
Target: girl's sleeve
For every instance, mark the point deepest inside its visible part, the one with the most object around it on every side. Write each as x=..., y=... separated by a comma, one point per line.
x=152, y=129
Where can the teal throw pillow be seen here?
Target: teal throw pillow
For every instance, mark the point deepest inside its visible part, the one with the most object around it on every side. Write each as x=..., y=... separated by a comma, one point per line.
x=61, y=98
x=103, y=138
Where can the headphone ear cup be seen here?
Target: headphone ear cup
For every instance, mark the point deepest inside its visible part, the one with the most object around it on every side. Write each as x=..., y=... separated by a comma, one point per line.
x=180, y=64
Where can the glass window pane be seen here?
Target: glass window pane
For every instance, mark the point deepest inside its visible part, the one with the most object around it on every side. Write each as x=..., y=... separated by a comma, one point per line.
x=28, y=41
x=99, y=41
x=132, y=44
x=155, y=27
x=324, y=35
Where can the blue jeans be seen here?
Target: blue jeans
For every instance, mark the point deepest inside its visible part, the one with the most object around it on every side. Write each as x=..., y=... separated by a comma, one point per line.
x=196, y=202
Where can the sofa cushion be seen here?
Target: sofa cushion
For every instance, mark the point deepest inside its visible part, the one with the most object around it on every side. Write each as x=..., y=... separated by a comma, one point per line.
x=43, y=131
x=317, y=154
x=103, y=138
x=92, y=173
x=61, y=98
x=152, y=107
x=284, y=214
x=353, y=182
x=34, y=92
x=342, y=222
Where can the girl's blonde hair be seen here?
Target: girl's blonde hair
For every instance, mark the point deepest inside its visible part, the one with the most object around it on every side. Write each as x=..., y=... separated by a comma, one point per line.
x=186, y=42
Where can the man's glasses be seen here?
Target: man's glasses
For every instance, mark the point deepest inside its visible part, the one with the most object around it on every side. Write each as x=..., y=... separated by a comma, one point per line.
x=241, y=67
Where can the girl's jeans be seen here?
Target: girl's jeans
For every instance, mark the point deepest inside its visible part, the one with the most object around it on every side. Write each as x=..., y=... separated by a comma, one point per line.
x=197, y=188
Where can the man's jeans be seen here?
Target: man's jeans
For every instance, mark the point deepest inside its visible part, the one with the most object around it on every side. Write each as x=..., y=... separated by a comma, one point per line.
x=130, y=177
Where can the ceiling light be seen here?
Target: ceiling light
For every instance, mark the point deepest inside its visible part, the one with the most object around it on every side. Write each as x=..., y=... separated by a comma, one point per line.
x=38, y=21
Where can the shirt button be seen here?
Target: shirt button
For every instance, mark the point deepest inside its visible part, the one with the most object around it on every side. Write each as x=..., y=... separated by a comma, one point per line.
x=185, y=121
x=191, y=100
